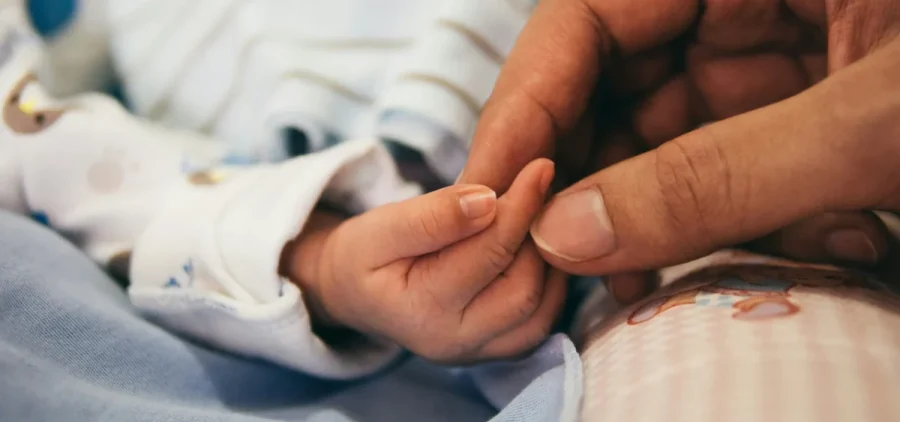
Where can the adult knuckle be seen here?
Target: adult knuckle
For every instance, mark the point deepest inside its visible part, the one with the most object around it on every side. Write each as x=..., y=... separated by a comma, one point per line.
x=697, y=186
x=543, y=119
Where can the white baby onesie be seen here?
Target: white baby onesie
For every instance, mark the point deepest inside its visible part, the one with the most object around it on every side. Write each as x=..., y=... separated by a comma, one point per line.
x=414, y=71
x=203, y=241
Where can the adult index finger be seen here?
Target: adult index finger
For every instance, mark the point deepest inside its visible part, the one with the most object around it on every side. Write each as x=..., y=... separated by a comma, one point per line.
x=551, y=73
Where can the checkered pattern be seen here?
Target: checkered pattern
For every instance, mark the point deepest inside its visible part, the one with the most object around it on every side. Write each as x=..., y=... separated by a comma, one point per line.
x=716, y=300
x=838, y=359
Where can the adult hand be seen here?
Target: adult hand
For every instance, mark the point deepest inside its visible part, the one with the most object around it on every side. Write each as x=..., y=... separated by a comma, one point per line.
x=658, y=71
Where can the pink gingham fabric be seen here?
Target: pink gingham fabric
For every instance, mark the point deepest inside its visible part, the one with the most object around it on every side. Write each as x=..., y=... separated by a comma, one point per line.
x=833, y=356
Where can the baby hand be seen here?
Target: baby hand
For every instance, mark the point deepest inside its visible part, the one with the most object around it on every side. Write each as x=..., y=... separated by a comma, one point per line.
x=448, y=275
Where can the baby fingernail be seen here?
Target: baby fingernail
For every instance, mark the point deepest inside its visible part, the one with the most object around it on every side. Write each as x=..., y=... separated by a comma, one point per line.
x=575, y=227
x=478, y=203
x=851, y=245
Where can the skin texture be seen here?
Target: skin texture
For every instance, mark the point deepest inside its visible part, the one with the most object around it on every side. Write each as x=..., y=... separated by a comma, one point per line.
x=451, y=287
x=804, y=94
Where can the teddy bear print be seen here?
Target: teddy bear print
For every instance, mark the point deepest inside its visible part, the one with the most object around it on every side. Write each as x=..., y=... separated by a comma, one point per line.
x=22, y=115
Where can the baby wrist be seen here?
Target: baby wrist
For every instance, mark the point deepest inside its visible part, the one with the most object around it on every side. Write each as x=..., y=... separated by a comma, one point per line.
x=305, y=261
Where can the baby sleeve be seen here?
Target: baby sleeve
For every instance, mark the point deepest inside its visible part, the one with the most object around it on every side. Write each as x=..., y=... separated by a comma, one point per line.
x=207, y=263
x=201, y=241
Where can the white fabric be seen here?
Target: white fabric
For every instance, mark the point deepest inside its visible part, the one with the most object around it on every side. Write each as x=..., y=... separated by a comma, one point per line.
x=244, y=70
x=204, y=240
x=207, y=265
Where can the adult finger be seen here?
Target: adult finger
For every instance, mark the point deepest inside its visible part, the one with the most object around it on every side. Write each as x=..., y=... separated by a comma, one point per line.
x=625, y=288
x=642, y=73
x=735, y=180
x=849, y=238
x=727, y=84
x=544, y=87
x=456, y=274
x=716, y=86
x=628, y=288
x=572, y=156
x=426, y=223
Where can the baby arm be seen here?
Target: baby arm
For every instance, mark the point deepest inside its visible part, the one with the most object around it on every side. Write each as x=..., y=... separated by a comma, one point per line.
x=448, y=275
x=200, y=243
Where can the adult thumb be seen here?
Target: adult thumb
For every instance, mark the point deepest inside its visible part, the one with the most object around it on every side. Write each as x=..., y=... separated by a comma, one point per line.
x=826, y=149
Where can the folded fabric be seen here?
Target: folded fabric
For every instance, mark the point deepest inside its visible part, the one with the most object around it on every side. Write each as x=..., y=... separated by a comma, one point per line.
x=415, y=71
x=199, y=240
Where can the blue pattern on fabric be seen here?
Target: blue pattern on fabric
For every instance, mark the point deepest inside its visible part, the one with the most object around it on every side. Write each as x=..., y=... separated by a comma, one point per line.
x=50, y=17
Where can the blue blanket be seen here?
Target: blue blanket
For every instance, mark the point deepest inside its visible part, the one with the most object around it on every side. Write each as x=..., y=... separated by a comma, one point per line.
x=72, y=348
